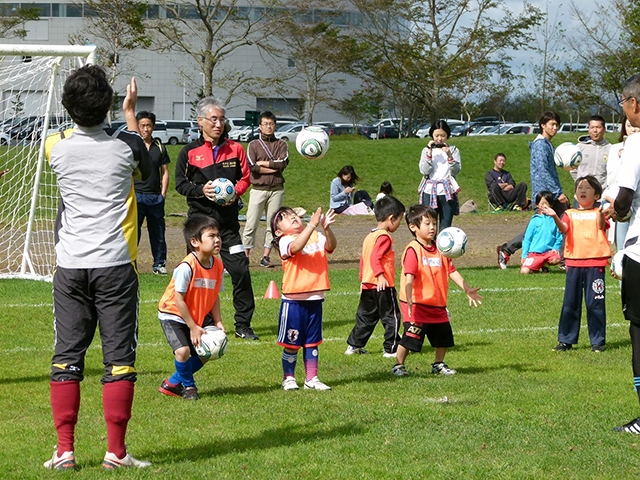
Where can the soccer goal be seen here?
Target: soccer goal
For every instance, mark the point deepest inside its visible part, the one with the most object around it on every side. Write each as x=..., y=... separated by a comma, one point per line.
x=31, y=80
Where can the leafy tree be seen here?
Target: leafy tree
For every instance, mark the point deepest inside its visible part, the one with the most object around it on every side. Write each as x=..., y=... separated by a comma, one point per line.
x=116, y=27
x=12, y=20
x=425, y=49
x=360, y=107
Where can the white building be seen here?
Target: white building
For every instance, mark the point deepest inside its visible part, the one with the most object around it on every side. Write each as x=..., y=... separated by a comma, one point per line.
x=162, y=88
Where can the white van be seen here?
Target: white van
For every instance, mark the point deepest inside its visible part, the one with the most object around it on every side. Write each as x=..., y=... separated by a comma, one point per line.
x=174, y=130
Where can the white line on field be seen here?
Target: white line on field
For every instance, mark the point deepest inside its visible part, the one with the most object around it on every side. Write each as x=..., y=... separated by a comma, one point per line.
x=225, y=296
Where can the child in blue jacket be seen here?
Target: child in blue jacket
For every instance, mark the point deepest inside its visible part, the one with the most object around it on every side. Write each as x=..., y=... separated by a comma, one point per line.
x=542, y=240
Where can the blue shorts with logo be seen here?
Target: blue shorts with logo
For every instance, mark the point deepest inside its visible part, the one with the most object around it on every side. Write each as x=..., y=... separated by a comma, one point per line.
x=300, y=324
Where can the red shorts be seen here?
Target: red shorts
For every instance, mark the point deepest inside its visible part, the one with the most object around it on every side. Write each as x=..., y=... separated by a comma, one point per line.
x=535, y=261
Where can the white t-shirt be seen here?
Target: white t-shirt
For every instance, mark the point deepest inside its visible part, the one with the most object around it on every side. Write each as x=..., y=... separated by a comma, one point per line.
x=629, y=177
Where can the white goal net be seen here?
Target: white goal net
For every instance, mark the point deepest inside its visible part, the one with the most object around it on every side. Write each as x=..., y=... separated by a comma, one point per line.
x=31, y=80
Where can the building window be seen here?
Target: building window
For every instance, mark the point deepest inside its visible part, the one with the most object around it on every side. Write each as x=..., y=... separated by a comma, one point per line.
x=291, y=62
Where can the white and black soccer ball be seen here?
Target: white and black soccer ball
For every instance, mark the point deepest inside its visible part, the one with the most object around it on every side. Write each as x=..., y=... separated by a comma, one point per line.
x=312, y=143
x=568, y=156
x=223, y=190
x=616, y=264
x=452, y=242
x=213, y=344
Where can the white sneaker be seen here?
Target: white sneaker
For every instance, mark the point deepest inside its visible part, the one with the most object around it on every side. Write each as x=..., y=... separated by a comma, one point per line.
x=289, y=383
x=355, y=350
x=315, y=384
x=111, y=462
x=67, y=461
x=442, y=369
x=390, y=354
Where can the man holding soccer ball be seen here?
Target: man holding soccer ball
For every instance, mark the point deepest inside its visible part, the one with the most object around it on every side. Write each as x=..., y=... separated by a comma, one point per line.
x=210, y=157
x=628, y=201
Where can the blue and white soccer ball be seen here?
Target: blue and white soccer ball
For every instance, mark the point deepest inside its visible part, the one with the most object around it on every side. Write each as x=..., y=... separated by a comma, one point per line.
x=568, y=156
x=616, y=264
x=452, y=242
x=223, y=190
x=312, y=143
x=213, y=344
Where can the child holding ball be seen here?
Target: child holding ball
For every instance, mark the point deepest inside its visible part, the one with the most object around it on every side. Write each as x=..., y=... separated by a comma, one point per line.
x=424, y=285
x=191, y=302
x=305, y=279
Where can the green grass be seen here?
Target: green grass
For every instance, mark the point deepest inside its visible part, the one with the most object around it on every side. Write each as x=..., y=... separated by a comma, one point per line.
x=514, y=410
x=307, y=181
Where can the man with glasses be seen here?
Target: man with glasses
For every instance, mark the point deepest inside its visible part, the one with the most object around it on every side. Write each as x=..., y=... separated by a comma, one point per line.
x=628, y=202
x=268, y=156
x=595, y=150
x=199, y=163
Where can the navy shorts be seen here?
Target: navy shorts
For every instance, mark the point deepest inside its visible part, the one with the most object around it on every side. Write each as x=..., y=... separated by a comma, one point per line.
x=440, y=335
x=300, y=324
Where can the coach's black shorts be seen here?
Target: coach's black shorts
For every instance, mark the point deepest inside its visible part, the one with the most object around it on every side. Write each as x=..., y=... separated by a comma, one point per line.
x=84, y=299
x=630, y=289
x=178, y=334
x=440, y=335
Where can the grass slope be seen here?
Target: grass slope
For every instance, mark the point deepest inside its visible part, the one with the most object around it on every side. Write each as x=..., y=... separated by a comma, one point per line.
x=514, y=410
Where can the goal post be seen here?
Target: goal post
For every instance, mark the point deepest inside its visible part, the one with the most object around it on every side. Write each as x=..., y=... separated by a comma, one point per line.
x=31, y=81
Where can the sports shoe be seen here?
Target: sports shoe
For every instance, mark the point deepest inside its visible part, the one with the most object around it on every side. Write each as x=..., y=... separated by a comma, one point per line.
x=503, y=258
x=160, y=270
x=400, y=370
x=355, y=351
x=111, y=462
x=67, y=461
x=171, y=390
x=190, y=393
x=442, y=368
x=289, y=383
x=562, y=347
x=246, y=333
x=265, y=262
x=632, y=427
x=517, y=208
x=315, y=384
x=597, y=348
x=389, y=354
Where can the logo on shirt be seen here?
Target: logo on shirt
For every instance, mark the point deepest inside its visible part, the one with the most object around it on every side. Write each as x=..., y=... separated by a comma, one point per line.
x=292, y=335
x=598, y=288
x=207, y=283
x=585, y=215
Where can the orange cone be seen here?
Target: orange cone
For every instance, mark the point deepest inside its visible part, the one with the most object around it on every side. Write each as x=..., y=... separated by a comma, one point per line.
x=272, y=290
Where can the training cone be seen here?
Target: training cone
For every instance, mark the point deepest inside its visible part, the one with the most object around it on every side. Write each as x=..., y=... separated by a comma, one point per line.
x=272, y=290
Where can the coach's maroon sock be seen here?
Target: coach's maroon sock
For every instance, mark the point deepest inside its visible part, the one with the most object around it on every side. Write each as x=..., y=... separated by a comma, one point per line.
x=65, y=403
x=117, y=399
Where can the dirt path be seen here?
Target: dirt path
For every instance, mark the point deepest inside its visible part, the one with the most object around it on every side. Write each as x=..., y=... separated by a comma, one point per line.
x=485, y=231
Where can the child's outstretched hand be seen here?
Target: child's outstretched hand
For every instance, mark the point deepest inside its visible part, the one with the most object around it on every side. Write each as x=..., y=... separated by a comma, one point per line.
x=548, y=211
x=475, y=299
x=328, y=218
x=316, y=217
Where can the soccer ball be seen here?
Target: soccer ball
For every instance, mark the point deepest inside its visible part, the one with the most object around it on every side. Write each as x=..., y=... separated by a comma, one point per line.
x=567, y=156
x=452, y=242
x=223, y=190
x=616, y=265
x=312, y=143
x=213, y=344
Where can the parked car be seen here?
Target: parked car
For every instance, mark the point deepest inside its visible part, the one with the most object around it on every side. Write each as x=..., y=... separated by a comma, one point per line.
x=345, y=128
x=175, y=128
x=573, y=127
x=423, y=130
x=235, y=134
x=480, y=130
x=190, y=134
x=524, y=128
x=498, y=129
x=290, y=132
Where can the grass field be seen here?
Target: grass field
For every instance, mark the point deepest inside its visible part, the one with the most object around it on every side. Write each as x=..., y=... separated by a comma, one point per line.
x=514, y=410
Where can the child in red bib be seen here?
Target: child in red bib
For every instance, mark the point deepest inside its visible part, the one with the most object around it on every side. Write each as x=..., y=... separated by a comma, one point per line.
x=424, y=285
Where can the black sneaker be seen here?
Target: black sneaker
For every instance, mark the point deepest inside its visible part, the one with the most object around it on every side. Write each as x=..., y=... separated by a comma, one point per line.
x=246, y=333
x=171, y=390
x=266, y=262
x=190, y=393
x=632, y=427
x=562, y=347
x=597, y=348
